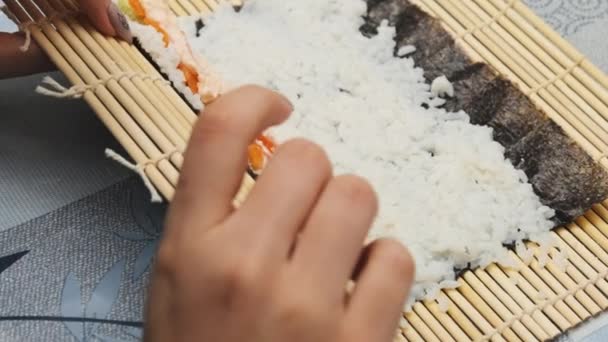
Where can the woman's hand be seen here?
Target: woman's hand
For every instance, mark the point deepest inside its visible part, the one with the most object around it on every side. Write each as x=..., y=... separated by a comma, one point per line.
x=275, y=269
x=103, y=14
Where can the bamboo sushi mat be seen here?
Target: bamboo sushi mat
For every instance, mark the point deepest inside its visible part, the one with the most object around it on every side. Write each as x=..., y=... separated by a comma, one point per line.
x=153, y=123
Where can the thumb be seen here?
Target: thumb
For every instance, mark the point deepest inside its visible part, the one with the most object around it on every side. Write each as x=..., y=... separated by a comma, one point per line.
x=107, y=18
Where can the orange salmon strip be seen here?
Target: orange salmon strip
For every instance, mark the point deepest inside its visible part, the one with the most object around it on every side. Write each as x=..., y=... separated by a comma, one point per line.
x=256, y=156
x=190, y=74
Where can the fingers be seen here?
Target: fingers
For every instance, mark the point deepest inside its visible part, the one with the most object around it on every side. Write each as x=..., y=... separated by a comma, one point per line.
x=14, y=62
x=216, y=158
x=332, y=239
x=381, y=290
x=286, y=193
x=107, y=18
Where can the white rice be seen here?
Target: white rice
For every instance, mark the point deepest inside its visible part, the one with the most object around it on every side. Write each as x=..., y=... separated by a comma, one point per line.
x=441, y=86
x=443, y=302
x=561, y=260
x=166, y=58
x=445, y=188
x=406, y=50
x=526, y=254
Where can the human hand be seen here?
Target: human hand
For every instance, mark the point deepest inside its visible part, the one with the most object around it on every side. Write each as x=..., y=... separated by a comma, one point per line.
x=276, y=268
x=103, y=14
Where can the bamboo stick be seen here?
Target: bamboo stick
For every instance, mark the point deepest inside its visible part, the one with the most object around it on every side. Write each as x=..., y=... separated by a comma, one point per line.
x=214, y=3
x=448, y=322
x=411, y=334
x=590, y=244
x=602, y=210
x=595, y=227
x=188, y=7
x=517, y=333
x=463, y=320
x=438, y=330
x=399, y=337
x=425, y=332
x=177, y=8
x=201, y=7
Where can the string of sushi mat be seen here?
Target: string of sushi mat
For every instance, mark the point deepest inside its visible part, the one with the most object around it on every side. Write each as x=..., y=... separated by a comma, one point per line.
x=445, y=188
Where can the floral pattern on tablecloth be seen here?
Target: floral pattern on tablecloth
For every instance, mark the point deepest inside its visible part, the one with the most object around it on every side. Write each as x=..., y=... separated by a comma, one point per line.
x=569, y=16
x=80, y=273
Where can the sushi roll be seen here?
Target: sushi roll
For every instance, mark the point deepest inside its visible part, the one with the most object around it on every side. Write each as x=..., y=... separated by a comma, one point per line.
x=198, y=76
x=159, y=34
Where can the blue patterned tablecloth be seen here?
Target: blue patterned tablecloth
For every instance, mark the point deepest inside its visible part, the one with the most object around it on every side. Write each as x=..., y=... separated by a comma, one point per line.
x=77, y=232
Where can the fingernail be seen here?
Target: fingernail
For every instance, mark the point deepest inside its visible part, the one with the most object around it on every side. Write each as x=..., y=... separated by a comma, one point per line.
x=120, y=23
x=289, y=104
x=286, y=102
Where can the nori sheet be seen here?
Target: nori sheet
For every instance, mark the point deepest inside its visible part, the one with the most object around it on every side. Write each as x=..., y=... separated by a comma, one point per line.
x=563, y=175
